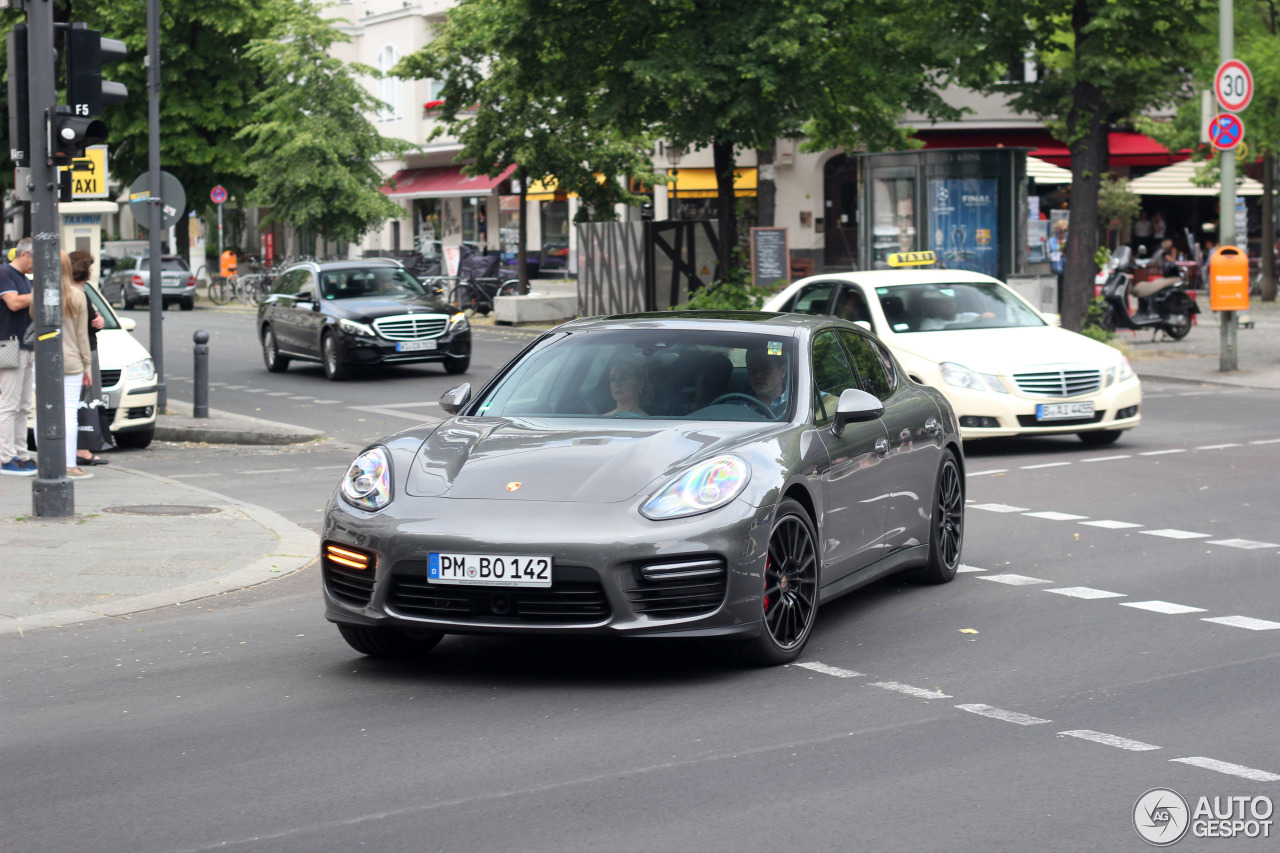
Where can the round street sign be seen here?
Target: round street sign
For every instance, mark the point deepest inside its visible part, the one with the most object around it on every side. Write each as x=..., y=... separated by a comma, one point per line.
x=172, y=196
x=1226, y=131
x=218, y=194
x=1233, y=85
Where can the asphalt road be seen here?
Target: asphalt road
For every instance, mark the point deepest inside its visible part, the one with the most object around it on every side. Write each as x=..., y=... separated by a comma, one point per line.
x=1026, y=706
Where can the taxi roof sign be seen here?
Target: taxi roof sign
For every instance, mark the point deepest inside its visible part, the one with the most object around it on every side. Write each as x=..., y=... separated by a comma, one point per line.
x=911, y=259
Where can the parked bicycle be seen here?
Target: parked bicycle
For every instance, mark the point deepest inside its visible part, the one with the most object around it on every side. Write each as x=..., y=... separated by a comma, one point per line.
x=477, y=294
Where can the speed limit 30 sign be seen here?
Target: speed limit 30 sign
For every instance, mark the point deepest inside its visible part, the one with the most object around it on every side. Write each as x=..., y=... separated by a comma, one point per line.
x=1233, y=85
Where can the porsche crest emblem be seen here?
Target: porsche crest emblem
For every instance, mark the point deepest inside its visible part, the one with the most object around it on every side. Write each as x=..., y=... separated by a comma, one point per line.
x=511, y=487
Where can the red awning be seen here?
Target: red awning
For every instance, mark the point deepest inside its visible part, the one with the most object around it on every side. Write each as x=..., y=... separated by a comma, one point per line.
x=1127, y=149
x=441, y=182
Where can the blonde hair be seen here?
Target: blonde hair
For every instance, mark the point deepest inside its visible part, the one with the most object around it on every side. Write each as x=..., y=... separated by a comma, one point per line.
x=1060, y=226
x=73, y=300
x=633, y=366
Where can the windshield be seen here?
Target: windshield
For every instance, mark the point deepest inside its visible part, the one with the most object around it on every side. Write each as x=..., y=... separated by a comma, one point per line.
x=100, y=305
x=359, y=283
x=650, y=373
x=954, y=306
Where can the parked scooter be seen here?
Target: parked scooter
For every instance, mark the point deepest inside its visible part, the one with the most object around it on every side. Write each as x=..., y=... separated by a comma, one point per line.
x=1164, y=305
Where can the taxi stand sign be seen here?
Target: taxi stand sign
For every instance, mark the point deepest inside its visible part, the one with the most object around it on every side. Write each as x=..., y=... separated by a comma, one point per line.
x=89, y=173
x=911, y=259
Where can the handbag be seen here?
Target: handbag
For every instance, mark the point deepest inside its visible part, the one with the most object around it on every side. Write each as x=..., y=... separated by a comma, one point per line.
x=10, y=354
x=88, y=421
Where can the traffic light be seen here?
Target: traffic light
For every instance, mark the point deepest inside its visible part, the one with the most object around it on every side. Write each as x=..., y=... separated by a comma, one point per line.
x=19, y=111
x=70, y=135
x=86, y=51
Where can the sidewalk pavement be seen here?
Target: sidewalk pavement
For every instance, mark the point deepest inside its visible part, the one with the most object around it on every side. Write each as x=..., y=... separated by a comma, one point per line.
x=139, y=541
x=1195, y=358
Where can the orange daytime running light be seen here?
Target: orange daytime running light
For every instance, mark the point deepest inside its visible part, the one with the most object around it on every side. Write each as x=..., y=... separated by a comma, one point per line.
x=343, y=557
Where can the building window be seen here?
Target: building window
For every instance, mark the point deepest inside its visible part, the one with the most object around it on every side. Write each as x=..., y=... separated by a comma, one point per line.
x=390, y=89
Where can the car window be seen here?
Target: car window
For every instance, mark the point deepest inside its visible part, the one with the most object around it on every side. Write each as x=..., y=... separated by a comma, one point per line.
x=289, y=283
x=851, y=305
x=650, y=373
x=954, y=306
x=812, y=299
x=868, y=365
x=831, y=375
x=100, y=305
x=174, y=263
x=371, y=281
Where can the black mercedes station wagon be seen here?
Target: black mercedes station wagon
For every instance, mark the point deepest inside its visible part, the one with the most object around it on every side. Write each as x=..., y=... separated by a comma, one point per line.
x=345, y=314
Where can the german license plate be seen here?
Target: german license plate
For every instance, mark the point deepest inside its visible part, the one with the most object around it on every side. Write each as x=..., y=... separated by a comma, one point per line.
x=488, y=570
x=1063, y=411
x=411, y=346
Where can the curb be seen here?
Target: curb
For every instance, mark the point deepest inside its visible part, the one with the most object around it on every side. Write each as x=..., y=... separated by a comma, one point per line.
x=296, y=548
x=241, y=429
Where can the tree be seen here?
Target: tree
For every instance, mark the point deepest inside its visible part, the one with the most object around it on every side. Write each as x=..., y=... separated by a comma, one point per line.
x=1102, y=63
x=205, y=89
x=310, y=143
x=724, y=74
x=504, y=118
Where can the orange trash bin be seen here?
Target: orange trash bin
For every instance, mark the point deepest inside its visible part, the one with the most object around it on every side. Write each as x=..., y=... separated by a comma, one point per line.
x=1229, y=280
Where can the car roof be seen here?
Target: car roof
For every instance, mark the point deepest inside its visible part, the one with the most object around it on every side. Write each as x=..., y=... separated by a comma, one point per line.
x=365, y=263
x=890, y=278
x=736, y=321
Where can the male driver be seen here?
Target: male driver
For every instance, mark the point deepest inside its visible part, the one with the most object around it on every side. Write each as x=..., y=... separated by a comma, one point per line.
x=17, y=383
x=940, y=312
x=767, y=373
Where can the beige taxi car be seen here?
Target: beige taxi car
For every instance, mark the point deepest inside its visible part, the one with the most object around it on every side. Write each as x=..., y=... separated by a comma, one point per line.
x=1005, y=367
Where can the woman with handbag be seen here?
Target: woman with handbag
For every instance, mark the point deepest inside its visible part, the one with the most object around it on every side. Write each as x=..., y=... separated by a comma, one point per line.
x=95, y=439
x=77, y=361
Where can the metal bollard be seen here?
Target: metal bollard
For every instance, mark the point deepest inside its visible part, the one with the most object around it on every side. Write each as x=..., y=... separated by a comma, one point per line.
x=200, y=409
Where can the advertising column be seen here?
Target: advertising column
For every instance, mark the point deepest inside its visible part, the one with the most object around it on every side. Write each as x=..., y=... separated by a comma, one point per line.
x=964, y=217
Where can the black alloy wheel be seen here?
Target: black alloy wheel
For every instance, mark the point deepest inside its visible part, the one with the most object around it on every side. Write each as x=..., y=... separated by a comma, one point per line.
x=790, y=600
x=335, y=369
x=1100, y=437
x=454, y=366
x=271, y=357
x=946, y=523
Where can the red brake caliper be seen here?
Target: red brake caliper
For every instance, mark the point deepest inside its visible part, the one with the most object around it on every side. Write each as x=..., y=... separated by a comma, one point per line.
x=766, y=580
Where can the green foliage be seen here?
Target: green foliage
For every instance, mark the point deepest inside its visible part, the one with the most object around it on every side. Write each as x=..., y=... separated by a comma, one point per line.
x=1118, y=206
x=731, y=292
x=1094, y=325
x=311, y=145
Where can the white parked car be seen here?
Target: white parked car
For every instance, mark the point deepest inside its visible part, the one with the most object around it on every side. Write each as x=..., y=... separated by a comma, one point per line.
x=1004, y=366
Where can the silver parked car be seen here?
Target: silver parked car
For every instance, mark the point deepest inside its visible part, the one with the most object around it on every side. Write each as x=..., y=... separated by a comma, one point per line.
x=714, y=475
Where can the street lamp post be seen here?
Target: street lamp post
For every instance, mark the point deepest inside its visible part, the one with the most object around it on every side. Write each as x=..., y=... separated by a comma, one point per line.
x=674, y=153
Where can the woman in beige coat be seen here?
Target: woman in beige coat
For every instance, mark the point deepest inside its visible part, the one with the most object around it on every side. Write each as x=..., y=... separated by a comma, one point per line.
x=77, y=360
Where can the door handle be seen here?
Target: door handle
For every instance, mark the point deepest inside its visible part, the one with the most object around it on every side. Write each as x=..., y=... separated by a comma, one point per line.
x=882, y=446
x=932, y=426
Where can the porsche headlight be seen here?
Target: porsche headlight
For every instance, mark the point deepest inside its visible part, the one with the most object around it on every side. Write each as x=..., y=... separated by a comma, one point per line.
x=358, y=329
x=143, y=371
x=703, y=487
x=367, y=483
x=458, y=322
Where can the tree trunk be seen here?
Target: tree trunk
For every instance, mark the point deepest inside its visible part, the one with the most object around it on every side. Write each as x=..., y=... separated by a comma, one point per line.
x=723, y=153
x=766, y=188
x=522, y=253
x=1268, y=228
x=1089, y=160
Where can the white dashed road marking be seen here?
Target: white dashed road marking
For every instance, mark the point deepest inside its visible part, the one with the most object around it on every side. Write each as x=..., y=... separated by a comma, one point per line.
x=279, y=393
x=1162, y=607
x=1013, y=580
x=255, y=390
x=1085, y=592
x=1045, y=465
x=970, y=569
x=1231, y=769
x=911, y=691
x=999, y=507
x=1267, y=441
x=1170, y=533
x=1242, y=543
x=1055, y=516
x=1244, y=622
x=1111, y=525
x=270, y=471
x=1162, y=452
x=1007, y=716
x=830, y=670
x=983, y=473
x=1216, y=446
x=1108, y=458
x=1110, y=740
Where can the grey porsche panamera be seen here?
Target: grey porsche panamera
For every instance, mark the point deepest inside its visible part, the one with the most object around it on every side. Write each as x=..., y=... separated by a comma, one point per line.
x=694, y=474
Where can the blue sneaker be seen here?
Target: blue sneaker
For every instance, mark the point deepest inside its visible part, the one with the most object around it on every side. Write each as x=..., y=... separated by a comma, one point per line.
x=14, y=468
x=29, y=464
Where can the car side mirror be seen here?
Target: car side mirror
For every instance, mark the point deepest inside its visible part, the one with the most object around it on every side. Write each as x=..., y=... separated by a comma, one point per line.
x=128, y=323
x=856, y=407
x=455, y=398
x=863, y=323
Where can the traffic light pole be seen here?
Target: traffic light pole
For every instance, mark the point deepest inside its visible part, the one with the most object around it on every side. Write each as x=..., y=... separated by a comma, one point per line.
x=52, y=493
x=155, y=202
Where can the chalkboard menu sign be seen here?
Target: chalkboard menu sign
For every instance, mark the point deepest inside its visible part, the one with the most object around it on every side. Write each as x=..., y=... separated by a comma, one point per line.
x=770, y=257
